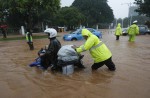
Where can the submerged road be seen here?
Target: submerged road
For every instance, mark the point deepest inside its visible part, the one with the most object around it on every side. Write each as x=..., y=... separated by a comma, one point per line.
x=130, y=80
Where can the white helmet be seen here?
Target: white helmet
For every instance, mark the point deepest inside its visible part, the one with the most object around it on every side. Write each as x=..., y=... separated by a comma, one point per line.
x=135, y=21
x=51, y=32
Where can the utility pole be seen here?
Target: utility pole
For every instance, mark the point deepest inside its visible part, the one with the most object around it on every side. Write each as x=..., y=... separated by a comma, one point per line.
x=122, y=23
x=129, y=16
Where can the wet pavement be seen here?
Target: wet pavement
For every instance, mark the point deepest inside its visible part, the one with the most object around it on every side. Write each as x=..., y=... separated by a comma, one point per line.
x=130, y=80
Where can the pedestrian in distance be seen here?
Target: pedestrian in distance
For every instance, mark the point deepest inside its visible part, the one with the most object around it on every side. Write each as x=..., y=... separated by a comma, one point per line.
x=29, y=39
x=4, y=30
x=4, y=33
x=98, y=50
x=133, y=31
x=118, y=31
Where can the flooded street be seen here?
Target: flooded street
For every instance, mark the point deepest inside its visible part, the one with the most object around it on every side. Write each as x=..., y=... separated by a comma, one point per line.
x=130, y=80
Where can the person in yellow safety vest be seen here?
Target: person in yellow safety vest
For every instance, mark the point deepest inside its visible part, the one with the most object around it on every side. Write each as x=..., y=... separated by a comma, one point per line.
x=133, y=31
x=29, y=40
x=118, y=31
x=98, y=50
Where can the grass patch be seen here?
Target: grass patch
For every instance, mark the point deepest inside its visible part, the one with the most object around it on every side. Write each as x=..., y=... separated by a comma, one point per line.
x=22, y=38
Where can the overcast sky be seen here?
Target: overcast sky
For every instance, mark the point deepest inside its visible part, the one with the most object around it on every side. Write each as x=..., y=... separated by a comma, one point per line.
x=120, y=7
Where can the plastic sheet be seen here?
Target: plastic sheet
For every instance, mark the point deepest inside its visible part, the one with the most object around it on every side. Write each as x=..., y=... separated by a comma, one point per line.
x=67, y=55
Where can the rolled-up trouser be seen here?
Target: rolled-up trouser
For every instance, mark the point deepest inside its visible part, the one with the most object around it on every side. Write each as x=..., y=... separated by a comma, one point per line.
x=108, y=63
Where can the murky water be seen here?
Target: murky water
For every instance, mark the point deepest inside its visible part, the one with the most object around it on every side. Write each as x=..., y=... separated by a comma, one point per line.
x=130, y=80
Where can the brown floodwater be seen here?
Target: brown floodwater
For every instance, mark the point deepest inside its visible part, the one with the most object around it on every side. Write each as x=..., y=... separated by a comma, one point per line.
x=130, y=80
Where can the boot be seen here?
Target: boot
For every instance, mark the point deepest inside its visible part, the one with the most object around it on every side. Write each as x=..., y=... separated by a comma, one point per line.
x=31, y=46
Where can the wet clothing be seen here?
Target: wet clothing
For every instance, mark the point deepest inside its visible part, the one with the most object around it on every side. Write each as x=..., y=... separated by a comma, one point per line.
x=97, y=48
x=29, y=40
x=132, y=32
x=50, y=57
x=36, y=63
x=108, y=63
x=118, y=31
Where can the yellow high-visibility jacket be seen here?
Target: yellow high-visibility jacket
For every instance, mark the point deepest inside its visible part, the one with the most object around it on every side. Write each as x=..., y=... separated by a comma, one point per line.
x=97, y=48
x=133, y=30
x=118, y=30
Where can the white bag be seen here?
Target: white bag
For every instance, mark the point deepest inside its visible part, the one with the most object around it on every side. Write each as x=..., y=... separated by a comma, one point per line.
x=67, y=53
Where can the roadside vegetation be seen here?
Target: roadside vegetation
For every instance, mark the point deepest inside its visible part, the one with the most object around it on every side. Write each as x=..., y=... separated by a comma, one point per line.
x=37, y=14
x=22, y=37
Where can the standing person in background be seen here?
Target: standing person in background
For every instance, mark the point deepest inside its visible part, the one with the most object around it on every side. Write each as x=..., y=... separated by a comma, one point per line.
x=118, y=31
x=133, y=31
x=4, y=31
x=29, y=39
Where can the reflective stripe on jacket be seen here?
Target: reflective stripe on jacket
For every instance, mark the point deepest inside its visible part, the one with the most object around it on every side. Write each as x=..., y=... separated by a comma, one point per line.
x=97, y=48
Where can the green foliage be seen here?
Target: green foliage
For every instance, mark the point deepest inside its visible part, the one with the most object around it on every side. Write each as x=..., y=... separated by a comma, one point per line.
x=96, y=11
x=22, y=38
x=29, y=11
x=69, y=16
x=144, y=7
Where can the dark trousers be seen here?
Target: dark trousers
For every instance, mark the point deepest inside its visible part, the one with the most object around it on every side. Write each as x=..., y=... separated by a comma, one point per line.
x=46, y=61
x=4, y=34
x=31, y=45
x=108, y=63
x=117, y=37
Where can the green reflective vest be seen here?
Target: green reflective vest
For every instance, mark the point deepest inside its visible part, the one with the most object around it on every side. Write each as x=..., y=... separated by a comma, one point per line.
x=28, y=37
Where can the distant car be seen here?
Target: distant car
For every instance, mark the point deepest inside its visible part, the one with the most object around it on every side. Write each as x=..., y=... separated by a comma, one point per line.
x=124, y=32
x=143, y=29
x=76, y=35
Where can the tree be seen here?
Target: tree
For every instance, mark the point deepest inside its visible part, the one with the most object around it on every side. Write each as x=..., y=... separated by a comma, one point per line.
x=69, y=16
x=144, y=7
x=30, y=9
x=96, y=11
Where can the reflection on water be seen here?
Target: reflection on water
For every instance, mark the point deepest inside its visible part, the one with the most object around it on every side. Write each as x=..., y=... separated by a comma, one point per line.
x=103, y=76
x=132, y=44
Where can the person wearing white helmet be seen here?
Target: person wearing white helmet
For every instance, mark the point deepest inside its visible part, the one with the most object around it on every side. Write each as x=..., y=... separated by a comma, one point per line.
x=51, y=32
x=133, y=31
x=50, y=57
